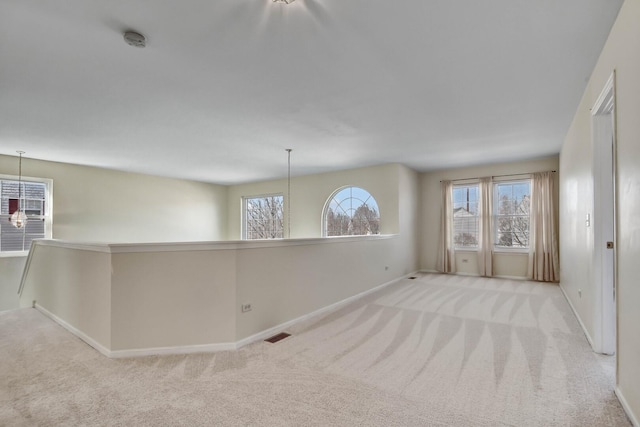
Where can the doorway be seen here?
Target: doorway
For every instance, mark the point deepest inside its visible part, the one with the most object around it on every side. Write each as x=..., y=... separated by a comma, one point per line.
x=604, y=219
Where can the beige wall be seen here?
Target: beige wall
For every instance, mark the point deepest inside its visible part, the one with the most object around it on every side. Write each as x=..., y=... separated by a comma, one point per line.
x=10, y=275
x=576, y=195
x=508, y=265
x=168, y=299
x=288, y=282
x=310, y=193
x=284, y=283
x=622, y=53
x=281, y=282
x=165, y=298
x=100, y=205
x=408, y=245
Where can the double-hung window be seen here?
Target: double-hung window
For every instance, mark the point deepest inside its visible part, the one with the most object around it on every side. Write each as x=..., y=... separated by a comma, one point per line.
x=511, y=217
x=465, y=216
x=34, y=197
x=512, y=201
x=263, y=217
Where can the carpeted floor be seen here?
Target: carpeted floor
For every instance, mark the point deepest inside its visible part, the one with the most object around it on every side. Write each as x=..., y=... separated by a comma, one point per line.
x=435, y=351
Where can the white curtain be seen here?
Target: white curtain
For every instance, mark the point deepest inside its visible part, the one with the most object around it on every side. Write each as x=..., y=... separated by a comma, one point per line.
x=485, y=238
x=543, y=240
x=446, y=250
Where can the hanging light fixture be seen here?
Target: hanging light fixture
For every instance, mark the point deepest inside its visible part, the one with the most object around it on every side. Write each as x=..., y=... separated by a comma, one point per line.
x=284, y=1
x=19, y=218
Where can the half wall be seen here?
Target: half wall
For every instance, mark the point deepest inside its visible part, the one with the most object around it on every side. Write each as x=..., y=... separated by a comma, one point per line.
x=128, y=300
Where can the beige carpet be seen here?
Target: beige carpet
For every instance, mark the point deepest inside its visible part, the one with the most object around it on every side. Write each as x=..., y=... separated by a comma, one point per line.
x=435, y=351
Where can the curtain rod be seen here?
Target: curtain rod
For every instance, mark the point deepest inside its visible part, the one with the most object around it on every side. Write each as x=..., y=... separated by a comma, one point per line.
x=492, y=176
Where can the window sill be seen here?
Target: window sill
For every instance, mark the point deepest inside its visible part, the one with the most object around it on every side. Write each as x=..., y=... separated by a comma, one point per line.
x=504, y=251
x=16, y=254
x=500, y=251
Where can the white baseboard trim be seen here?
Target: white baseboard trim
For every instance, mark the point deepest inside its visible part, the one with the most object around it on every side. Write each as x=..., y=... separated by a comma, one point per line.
x=84, y=337
x=163, y=351
x=474, y=275
x=278, y=328
x=522, y=278
x=627, y=408
x=136, y=352
x=206, y=348
x=575, y=312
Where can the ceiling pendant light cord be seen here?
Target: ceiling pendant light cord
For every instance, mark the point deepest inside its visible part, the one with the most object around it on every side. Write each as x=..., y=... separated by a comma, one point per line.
x=289, y=150
x=20, y=181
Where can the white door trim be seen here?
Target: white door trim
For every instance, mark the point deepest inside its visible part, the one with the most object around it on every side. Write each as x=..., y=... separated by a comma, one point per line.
x=604, y=226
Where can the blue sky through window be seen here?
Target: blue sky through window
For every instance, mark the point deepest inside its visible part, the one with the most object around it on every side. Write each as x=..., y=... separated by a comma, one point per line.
x=514, y=191
x=460, y=197
x=349, y=199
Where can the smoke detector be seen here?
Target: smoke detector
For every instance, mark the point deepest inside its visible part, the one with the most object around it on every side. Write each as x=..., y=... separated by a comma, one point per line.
x=135, y=39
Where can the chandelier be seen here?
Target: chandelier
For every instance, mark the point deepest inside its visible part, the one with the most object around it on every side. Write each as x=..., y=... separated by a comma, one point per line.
x=19, y=218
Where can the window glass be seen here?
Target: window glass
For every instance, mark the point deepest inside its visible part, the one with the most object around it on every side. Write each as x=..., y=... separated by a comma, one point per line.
x=32, y=199
x=263, y=217
x=512, y=201
x=351, y=211
x=465, y=216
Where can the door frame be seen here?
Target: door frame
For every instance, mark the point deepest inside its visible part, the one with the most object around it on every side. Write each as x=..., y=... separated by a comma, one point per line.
x=604, y=272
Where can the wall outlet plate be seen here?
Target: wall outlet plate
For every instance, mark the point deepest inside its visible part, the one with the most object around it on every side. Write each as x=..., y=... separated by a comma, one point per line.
x=245, y=307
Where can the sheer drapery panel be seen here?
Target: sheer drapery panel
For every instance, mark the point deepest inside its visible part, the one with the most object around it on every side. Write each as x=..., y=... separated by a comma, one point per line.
x=446, y=249
x=485, y=243
x=543, y=253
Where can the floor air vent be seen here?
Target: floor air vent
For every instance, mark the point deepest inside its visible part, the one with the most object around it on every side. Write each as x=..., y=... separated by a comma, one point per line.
x=279, y=337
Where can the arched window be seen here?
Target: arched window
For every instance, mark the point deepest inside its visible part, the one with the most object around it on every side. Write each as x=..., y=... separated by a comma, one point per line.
x=351, y=211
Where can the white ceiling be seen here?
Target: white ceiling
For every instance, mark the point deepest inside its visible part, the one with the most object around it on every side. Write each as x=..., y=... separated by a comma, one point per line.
x=224, y=86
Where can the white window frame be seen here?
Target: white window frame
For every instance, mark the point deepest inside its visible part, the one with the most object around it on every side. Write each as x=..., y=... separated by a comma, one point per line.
x=458, y=248
x=244, y=213
x=48, y=209
x=496, y=202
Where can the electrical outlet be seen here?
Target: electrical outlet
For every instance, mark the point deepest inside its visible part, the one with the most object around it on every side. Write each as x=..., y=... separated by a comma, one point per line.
x=245, y=307
x=386, y=267
x=580, y=293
